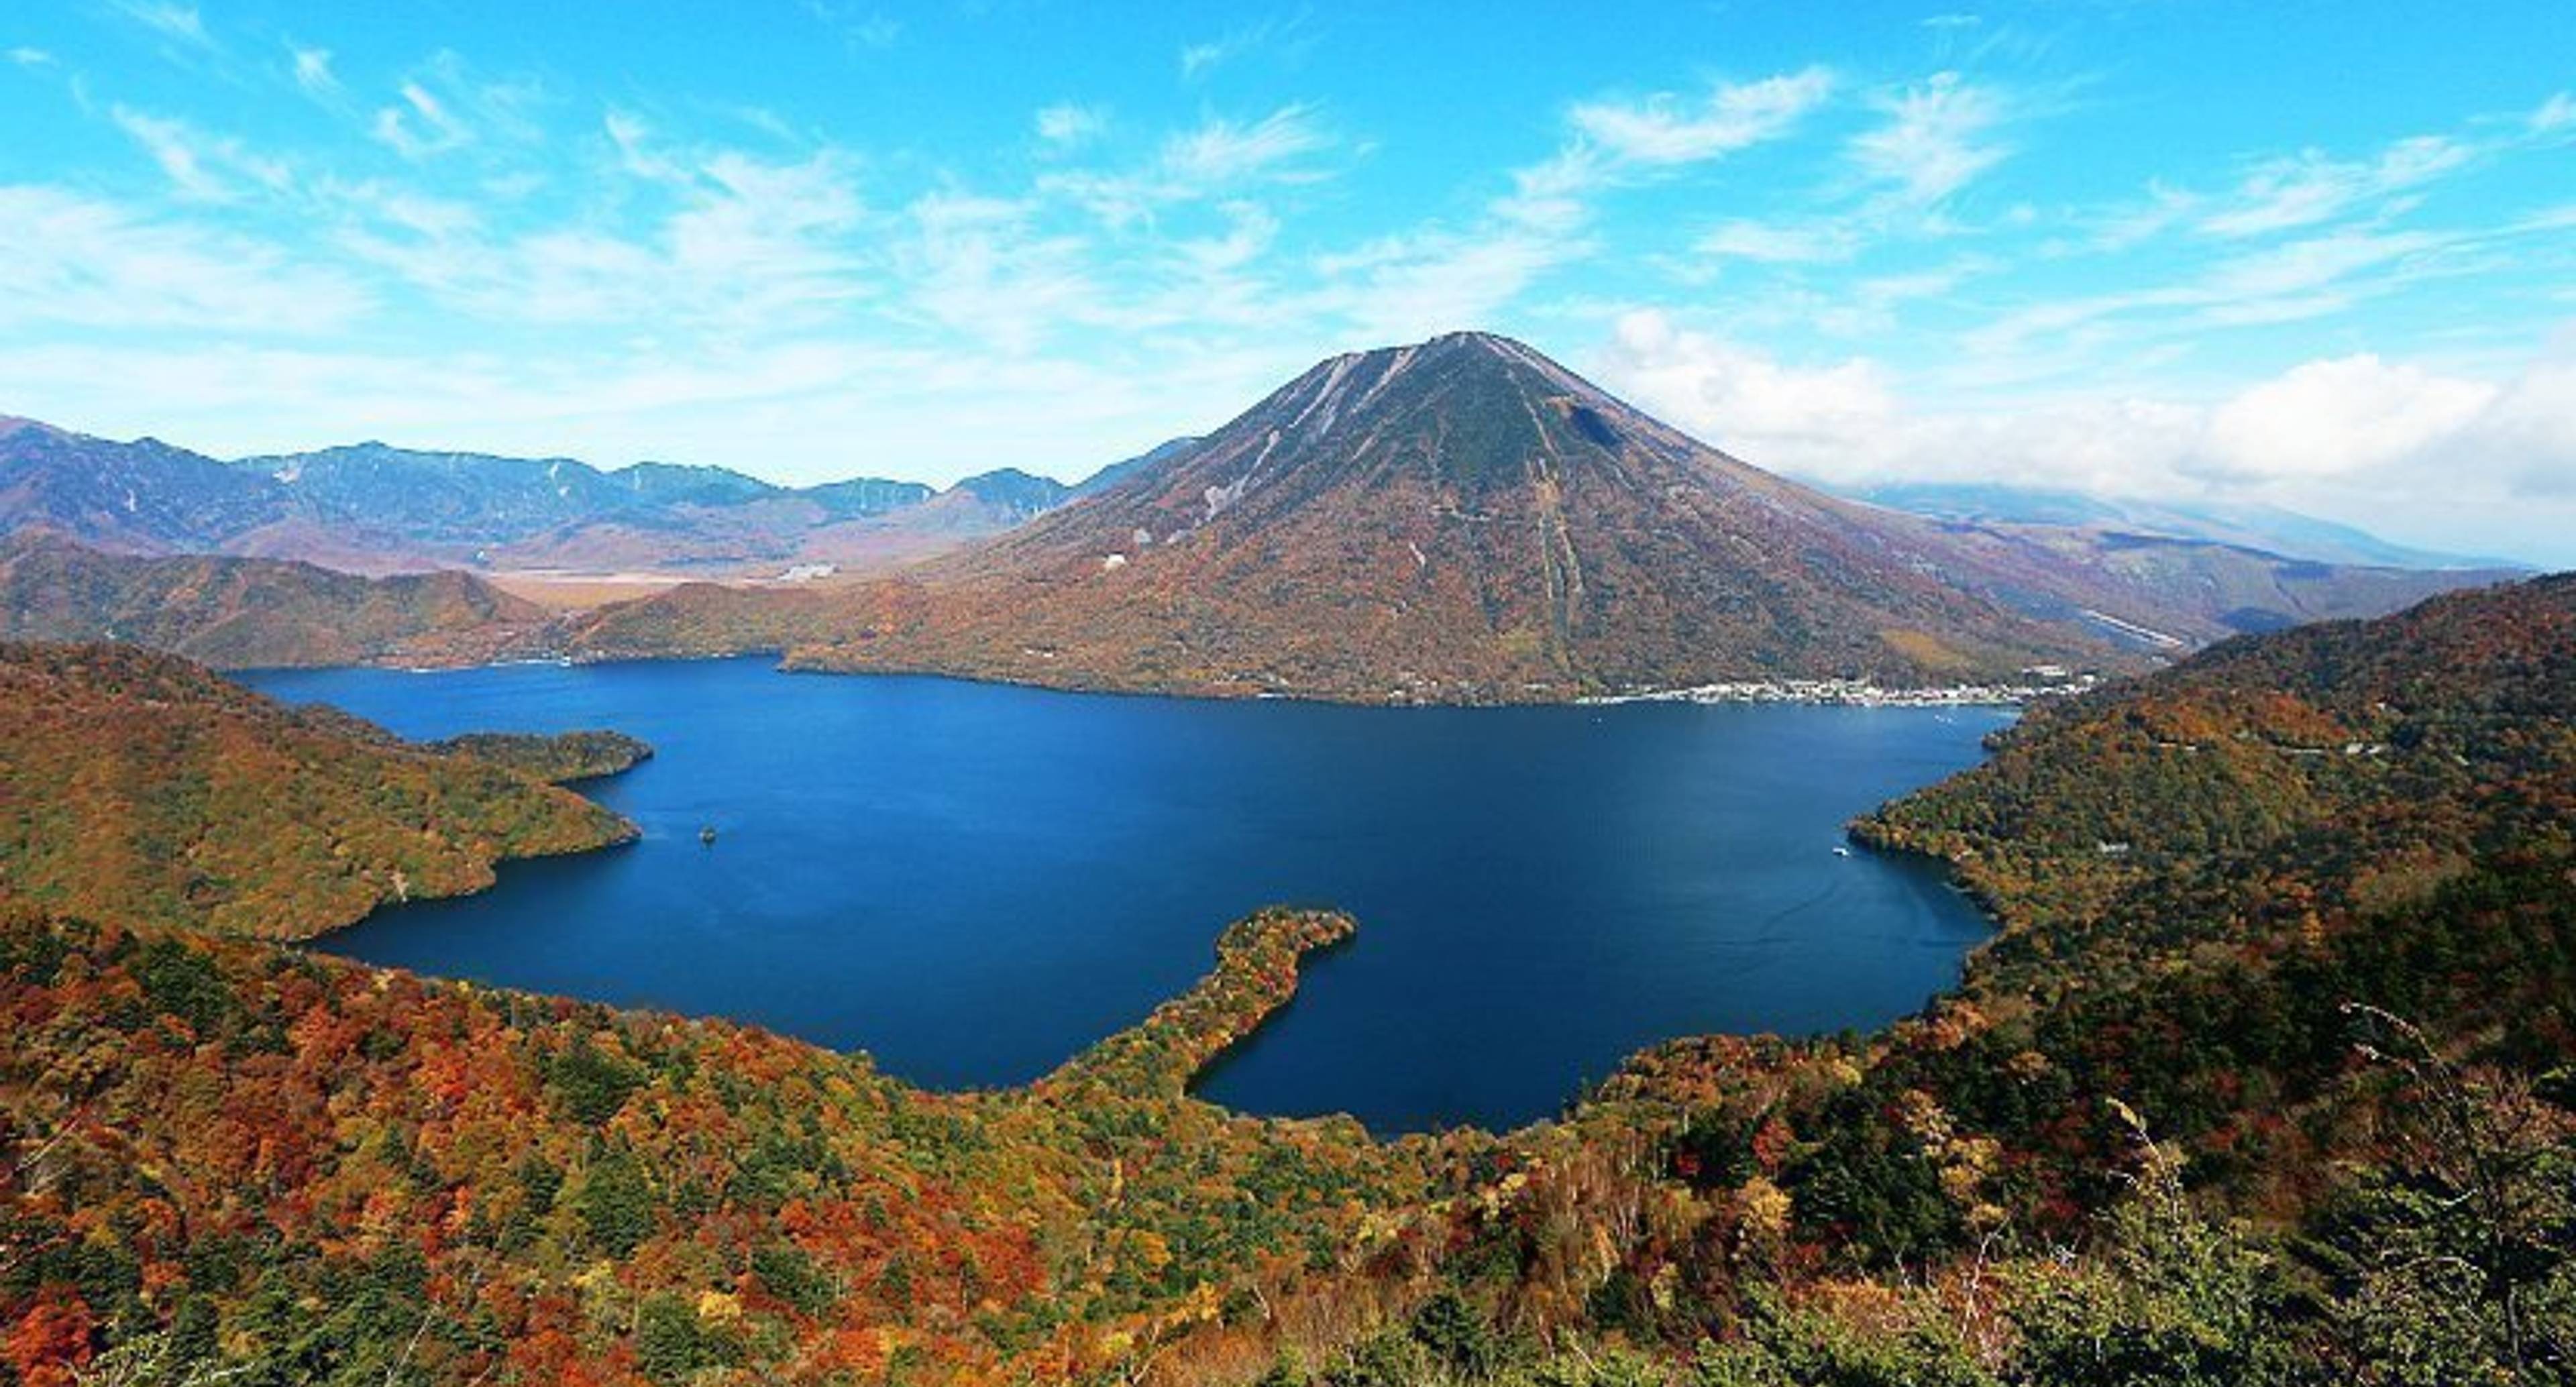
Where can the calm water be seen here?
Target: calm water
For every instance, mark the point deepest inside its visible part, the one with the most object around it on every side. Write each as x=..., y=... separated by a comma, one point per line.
x=972, y=882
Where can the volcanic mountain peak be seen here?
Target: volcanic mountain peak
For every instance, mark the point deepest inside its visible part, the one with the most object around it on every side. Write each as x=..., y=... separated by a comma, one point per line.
x=1460, y=518
x=1465, y=413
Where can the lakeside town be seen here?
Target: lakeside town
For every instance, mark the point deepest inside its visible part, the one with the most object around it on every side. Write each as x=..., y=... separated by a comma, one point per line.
x=2037, y=682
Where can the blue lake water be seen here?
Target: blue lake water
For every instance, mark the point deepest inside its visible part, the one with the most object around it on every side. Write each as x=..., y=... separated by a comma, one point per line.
x=972, y=882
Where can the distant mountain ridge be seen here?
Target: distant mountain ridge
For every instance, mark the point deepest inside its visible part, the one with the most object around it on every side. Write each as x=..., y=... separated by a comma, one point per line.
x=1457, y=520
x=2266, y=528
x=1464, y=520
x=373, y=506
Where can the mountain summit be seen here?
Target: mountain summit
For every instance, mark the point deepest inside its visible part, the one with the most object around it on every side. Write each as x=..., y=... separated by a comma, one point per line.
x=1458, y=519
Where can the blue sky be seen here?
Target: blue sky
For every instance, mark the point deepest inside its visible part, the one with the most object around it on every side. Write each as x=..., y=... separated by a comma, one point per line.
x=2317, y=255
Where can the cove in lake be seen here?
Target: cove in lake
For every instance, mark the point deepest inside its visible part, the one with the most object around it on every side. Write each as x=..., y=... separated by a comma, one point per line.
x=972, y=882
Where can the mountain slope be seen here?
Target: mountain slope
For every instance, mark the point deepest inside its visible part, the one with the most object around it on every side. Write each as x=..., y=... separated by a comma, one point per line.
x=376, y=508
x=460, y=499
x=253, y=613
x=1462, y=519
x=144, y=496
x=1118, y=471
x=2192, y=591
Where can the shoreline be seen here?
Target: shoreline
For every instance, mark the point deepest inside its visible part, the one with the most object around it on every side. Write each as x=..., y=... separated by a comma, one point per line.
x=1824, y=693
x=1855, y=693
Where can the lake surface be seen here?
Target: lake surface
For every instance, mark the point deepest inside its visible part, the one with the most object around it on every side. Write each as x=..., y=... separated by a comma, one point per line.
x=972, y=882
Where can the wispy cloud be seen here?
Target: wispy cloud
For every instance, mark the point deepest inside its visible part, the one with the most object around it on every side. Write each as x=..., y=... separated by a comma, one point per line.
x=1068, y=125
x=1403, y=288
x=2297, y=279
x=2286, y=194
x=178, y=23
x=739, y=243
x=1938, y=138
x=1665, y=129
x=312, y=69
x=421, y=125
x=201, y=167
x=446, y=105
x=1220, y=151
x=1813, y=243
x=859, y=27
x=1213, y=159
x=1612, y=142
x=80, y=262
x=1198, y=60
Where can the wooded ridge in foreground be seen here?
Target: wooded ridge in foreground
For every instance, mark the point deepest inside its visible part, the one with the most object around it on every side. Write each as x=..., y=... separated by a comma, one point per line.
x=141, y=789
x=2265, y=1079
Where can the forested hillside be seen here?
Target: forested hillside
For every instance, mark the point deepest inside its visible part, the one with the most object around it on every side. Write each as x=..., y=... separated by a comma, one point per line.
x=236, y=613
x=2264, y=1079
x=138, y=788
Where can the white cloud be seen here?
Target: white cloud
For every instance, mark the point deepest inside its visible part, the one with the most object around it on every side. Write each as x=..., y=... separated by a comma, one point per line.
x=2348, y=414
x=1430, y=281
x=857, y=26
x=1811, y=244
x=1936, y=141
x=2454, y=460
x=200, y=167
x=1613, y=142
x=1066, y=124
x=76, y=262
x=1214, y=159
x=421, y=126
x=166, y=142
x=1803, y=419
x=2555, y=114
x=447, y=105
x=716, y=240
x=313, y=73
x=170, y=20
x=25, y=56
x=1221, y=151
x=2285, y=194
x=1198, y=60
x=1664, y=129
x=2294, y=280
